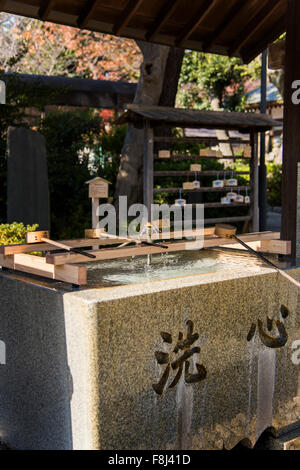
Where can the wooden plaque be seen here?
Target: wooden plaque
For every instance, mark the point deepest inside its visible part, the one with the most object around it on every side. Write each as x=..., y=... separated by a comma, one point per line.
x=99, y=189
x=188, y=185
x=164, y=154
x=195, y=167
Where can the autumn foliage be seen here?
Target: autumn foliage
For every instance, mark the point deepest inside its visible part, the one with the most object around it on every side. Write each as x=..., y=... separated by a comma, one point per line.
x=48, y=49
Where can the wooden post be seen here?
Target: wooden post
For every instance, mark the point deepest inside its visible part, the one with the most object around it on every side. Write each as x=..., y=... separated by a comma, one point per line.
x=148, y=167
x=95, y=217
x=254, y=179
x=298, y=213
x=291, y=126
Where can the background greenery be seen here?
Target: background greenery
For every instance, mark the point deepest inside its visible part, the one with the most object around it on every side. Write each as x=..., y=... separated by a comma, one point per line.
x=78, y=148
x=14, y=233
x=80, y=144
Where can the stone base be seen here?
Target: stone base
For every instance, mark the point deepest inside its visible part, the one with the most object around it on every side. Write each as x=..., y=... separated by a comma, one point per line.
x=103, y=368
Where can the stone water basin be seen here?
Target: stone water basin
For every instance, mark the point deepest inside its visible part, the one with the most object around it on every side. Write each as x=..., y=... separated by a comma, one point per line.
x=179, y=355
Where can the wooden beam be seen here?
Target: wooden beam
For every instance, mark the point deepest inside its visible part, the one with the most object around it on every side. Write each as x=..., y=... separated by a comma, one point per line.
x=291, y=125
x=60, y=259
x=202, y=140
x=276, y=247
x=225, y=24
x=200, y=157
x=165, y=13
x=126, y=16
x=34, y=237
x=79, y=243
x=37, y=265
x=268, y=38
x=253, y=26
x=95, y=233
x=227, y=220
x=7, y=261
x=87, y=13
x=2, y=5
x=254, y=183
x=199, y=173
x=29, y=248
x=199, y=190
x=45, y=9
x=280, y=247
x=195, y=22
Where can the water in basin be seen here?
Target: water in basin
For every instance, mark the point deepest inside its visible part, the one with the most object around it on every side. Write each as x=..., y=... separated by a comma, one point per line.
x=165, y=266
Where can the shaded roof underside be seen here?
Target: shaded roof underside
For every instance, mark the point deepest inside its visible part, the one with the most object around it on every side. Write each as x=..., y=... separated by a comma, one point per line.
x=79, y=91
x=192, y=118
x=241, y=28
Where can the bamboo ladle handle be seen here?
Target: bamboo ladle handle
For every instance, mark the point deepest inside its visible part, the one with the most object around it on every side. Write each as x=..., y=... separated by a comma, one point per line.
x=229, y=231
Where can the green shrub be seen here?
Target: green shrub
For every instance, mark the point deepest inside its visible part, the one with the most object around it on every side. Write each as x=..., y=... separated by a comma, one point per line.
x=274, y=178
x=11, y=234
x=78, y=148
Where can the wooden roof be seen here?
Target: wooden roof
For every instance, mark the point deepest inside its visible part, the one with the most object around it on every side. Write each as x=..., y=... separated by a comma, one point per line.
x=97, y=178
x=240, y=28
x=189, y=118
x=80, y=91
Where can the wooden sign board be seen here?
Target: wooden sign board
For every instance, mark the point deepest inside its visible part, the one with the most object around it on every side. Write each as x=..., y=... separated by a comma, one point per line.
x=195, y=167
x=188, y=185
x=164, y=154
x=218, y=183
x=210, y=153
x=98, y=189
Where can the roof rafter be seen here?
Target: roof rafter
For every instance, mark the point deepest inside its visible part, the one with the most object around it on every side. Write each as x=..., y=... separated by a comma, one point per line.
x=226, y=22
x=271, y=36
x=45, y=9
x=195, y=22
x=254, y=25
x=126, y=16
x=166, y=11
x=87, y=13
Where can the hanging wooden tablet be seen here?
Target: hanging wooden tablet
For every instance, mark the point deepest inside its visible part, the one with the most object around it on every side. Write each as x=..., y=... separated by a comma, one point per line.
x=232, y=181
x=195, y=167
x=164, y=154
x=247, y=198
x=218, y=183
x=196, y=183
x=225, y=200
x=232, y=195
x=180, y=202
x=188, y=185
x=239, y=197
